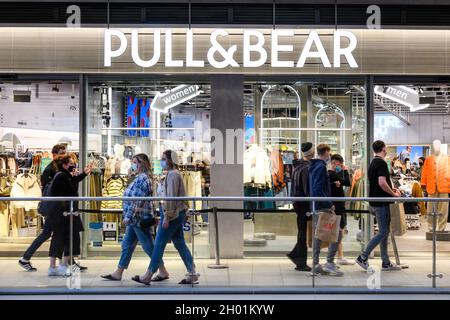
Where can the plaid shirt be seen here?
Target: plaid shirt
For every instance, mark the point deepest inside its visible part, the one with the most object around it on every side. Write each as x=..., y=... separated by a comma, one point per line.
x=134, y=211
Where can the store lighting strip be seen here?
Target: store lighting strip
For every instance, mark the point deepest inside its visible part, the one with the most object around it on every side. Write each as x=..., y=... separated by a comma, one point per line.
x=147, y=129
x=306, y=129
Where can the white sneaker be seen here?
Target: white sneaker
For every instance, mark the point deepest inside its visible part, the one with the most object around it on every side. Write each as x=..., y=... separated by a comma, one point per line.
x=53, y=272
x=63, y=270
x=344, y=262
x=331, y=270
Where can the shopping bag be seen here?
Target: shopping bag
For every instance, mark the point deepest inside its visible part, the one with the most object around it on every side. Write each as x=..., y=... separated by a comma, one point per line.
x=309, y=234
x=327, y=228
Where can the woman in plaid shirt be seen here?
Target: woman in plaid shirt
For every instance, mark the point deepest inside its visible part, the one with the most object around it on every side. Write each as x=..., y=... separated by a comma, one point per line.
x=137, y=217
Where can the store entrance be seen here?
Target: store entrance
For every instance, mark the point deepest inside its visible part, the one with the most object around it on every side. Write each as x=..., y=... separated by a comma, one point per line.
x=414, y=126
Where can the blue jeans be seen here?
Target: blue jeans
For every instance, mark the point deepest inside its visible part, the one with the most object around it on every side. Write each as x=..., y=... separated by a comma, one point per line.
x=175, y=233
x=383, y=216
x=133, y=235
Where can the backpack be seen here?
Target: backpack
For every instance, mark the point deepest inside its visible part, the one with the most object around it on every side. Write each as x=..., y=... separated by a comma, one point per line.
x=45, y=208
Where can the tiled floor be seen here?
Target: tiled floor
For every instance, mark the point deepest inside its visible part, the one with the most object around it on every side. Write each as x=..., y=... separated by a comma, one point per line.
x=241, y=273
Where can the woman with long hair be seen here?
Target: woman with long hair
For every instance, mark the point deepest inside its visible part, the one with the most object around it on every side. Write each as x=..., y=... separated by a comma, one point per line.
x=138, y=219
x=171, y=224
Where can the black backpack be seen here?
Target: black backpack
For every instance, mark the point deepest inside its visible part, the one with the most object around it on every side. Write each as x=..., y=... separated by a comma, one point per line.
x=45, y=208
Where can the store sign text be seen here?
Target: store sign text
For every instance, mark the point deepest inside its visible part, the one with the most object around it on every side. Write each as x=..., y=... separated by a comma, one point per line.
x=162, y=102
x=403, y=95
x=386, y=125
x=219, y=56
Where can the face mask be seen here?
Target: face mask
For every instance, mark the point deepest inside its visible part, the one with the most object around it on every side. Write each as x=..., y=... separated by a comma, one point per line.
x=134, y=167
x=338, y=168
x=163, y=164
x=71, y=168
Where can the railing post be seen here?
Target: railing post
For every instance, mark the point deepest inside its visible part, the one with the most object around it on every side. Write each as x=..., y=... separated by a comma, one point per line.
x=192, y=237
x=217, y=265
x=434, y=275
x=71, y=240
x=313, y=235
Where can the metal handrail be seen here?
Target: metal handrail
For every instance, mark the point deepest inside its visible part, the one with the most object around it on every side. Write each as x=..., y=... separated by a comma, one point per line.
x=230, y=198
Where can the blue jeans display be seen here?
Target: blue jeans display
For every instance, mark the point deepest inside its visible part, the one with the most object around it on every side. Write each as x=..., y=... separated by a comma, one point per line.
x=383, y=216
x=133, y=235
x=175, y=233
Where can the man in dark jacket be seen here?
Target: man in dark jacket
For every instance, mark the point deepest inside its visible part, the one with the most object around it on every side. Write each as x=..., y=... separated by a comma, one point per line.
x=320, y=187
x=300, y=188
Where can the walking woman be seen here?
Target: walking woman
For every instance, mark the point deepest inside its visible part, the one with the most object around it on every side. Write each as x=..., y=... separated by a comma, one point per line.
x=171, y=224
x=138, y=219
x=63, y=186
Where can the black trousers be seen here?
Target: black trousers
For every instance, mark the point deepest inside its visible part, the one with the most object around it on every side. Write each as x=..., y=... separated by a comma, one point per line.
x=60, y=244
x=300, y=252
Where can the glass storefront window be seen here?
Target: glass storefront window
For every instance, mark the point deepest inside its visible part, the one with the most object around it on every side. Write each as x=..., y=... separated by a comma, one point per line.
x=34, y=116
x=279, y=117
x=122, y=124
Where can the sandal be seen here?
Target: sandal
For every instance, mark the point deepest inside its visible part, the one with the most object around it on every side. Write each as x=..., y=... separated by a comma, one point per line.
x=138, y=280
x=159, y=278
x=110, y=278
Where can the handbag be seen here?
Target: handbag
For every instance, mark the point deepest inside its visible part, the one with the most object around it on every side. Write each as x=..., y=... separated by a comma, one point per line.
x=328, y=224
x=147, y=222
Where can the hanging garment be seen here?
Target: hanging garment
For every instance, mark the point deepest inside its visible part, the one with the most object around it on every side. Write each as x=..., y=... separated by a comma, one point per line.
x=4, y=221
x=12, y=165
x=417, y=192
x=276, y=161
x=257, y=166
x=260, y=205
x=5, y=191
x=17, y=218
x=436, y=174
x=3, y=165
x=193, y=184
x=442, y=208
x=26, y=185
x=95, y=190
x=114, y=187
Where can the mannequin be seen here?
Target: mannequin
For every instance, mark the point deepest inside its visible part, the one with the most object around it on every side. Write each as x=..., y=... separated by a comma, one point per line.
x=436, y=178
x=120, y=165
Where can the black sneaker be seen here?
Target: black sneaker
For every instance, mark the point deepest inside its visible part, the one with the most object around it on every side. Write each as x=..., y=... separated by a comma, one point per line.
x=363, y=263
x=304, y=268
x=390, y=267
x=27, y=266
x=79, y=266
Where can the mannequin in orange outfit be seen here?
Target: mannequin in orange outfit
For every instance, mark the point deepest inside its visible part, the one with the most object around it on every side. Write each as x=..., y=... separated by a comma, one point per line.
x=436, y=178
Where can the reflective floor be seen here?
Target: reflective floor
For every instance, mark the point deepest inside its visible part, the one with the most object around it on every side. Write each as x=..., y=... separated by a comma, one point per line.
x=250, y=272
